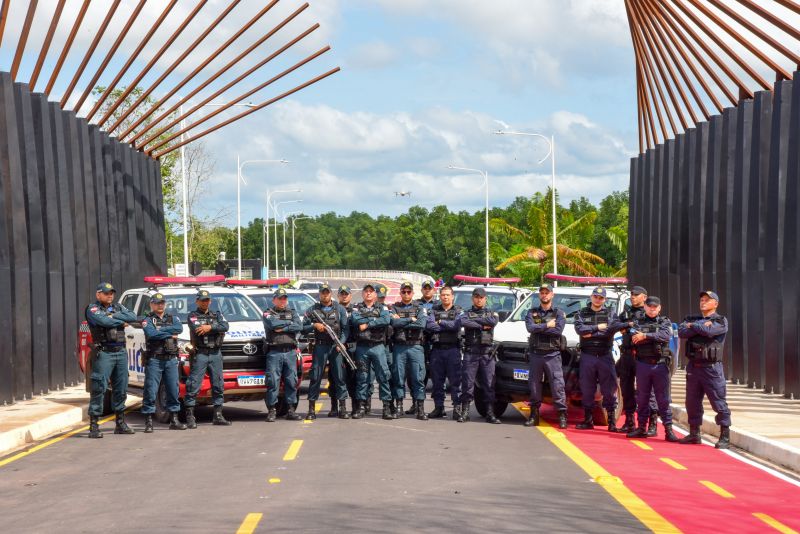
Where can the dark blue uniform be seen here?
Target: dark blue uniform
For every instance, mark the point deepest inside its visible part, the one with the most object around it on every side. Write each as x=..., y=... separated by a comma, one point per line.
x=652, y=367
x=162, y=360
x=325, y=352
x=478, y=324
x=371, y=350
x=281, y=327
x=544, y=347
x=208, y=356
x=626, y=369
x=443, y=332
x=408, y=353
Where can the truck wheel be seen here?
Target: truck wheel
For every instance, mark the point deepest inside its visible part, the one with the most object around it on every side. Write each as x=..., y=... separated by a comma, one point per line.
x=500, y=408
x=480, y=401
x=162, y=414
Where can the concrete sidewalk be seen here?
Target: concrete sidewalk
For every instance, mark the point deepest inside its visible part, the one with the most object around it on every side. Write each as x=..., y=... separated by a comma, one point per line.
x=27, y=422
x=765, y=425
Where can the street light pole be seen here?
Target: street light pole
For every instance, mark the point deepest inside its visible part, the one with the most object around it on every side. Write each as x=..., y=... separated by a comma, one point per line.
x=294, y=224
x=551, y=142
x=275, y=210
x=266, y=224
x=485, y=175
x=239, y=179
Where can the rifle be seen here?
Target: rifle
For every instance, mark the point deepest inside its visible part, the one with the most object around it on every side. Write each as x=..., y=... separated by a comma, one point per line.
x=339, y=345
x=493, y=352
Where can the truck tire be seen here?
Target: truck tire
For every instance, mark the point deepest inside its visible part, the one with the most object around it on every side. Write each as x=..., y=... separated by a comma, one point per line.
x=480, y=404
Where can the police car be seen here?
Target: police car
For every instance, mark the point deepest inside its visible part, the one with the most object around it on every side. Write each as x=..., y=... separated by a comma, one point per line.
x=502, y=299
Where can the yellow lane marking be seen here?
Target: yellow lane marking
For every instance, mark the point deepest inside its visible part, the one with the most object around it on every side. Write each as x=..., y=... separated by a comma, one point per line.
x=641, y=444
x=307, y=422
x=716, y=489
x=274, y=481
x=318, y=406
x=774, y=523
x=294, y=448
x=55, y=440
x=613, y=485
x=323, y=394
x=673, y=463
x=249, y=524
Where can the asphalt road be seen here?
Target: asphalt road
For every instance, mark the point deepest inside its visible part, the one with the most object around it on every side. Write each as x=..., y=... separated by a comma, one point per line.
x=368, y=475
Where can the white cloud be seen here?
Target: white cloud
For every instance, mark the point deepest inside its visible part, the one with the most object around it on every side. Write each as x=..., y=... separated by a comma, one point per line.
x=373, y=55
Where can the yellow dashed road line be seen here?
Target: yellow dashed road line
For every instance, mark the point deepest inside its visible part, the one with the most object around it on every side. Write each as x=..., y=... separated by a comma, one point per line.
x=249, y=524
x=642, y=445
x=774, y=523
x=274, y=481
x=673, y=463
x=318, y=406
x=294, y=448
x=716, y=489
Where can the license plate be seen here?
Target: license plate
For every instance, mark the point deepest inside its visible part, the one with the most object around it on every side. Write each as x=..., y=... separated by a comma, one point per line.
x=250, y=380
x=520, y=374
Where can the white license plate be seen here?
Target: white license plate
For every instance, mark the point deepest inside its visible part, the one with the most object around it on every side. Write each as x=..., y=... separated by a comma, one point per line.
x=250, y=380
x=520, y=374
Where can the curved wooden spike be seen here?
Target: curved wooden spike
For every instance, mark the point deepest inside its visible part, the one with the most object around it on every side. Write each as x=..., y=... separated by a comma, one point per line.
x=46, y=45
x=23, y=38
x=67, y=46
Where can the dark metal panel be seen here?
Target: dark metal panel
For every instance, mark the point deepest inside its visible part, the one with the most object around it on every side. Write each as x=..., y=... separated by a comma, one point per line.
x=158, y=200
x=711, y=216
x=6, y=236
x=791, y=245
x=665, y=221
x=110, y=201
x=646, y=228
x=633, y=256
x=726, y=220
x=655, y=223
x=90, y=202
x=130, y=213
x=124, y=251
x=678, y=184
x=100, y=202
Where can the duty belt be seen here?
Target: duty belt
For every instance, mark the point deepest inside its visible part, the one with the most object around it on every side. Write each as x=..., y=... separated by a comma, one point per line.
x=282, y=348
x=369, y=343
x=164, y=356
x=111, y=347
x=652, y=360
x=446, y=345
x=702, y=363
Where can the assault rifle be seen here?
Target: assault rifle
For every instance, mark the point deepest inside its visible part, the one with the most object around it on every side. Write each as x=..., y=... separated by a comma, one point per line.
x=339, y=345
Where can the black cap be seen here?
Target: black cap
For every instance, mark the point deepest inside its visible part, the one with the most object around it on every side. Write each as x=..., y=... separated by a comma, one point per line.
x=382, y=290
x=105, y=287
x=344, y=289
x=638, y=290
x=324, y=287
x=406, y=285
x=547, y=287
x=478, y=292
x=202, y=294
x=599, y=291
x=368, y=285
x=653, y=301
x=280, y=292
x=157, y=298
x=427, y=283
x=710, y=294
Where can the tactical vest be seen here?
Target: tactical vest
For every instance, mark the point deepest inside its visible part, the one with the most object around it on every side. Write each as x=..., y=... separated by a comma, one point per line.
x=407, y=336
x=331, y=318
x=445, y=337
x=595, y=345
x=630, y=314
x=162, y=347
x=650, y=348
x=281, y=338
x=106, y=336
x=371, y=335
x=210, y=342
x=351, y=335
x=545, y=343
x=702, y=348
x=478, y=336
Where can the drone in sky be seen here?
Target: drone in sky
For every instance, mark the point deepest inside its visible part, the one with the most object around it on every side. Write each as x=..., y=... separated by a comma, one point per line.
x=402, y=193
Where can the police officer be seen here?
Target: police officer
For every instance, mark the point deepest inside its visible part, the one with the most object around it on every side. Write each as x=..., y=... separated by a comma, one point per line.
x=382, y=291
x=370, y=320
x=446, y=353
x=346, y=301
x=281, y=325
x=325, y=352
x=207, y=330
x=546, y=326
x=427, y=301
x=478, y=323
x=596, y=324
x=408, y=324
x=705, y=337
x=650, y=336
x=107, y=322
x=161, y=337
x=626, y=365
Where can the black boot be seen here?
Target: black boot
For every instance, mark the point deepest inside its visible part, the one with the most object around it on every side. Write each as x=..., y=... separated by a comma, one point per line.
x=367, y=406
x=342, y=410
x=94, y=428
x=290, y=415
x=387, y=410
x=490, y=417
x=464, y=415
x=562, y=419
x=652, y=425
x=587, y=423
x=191, y=422
x=272, y=414
x=312, y=410
x=175, y=423
x=693, y=437
x=148, y=423
x=437, y=413
x=411, y=411
x=122, y=427
x=640, y=432
x=358, y=409
x=421, y=415
x=669, y=435
x=533, y=418
x=397, y=409
x=457, y=412
x=612, y=420
x=724, y=438
x=630, y=424
x=217, y=419
x=334, y=408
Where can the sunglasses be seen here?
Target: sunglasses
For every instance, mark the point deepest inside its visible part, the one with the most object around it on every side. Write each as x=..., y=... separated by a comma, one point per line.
x=406, y=292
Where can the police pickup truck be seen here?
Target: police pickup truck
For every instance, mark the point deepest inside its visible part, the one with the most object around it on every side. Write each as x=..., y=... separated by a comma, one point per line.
x=242, y=349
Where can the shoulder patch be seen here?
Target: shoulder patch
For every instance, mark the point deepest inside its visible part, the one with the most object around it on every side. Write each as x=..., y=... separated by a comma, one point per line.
x=93, y=309
x=193, y=319
x=144, y=323
x=266, y=314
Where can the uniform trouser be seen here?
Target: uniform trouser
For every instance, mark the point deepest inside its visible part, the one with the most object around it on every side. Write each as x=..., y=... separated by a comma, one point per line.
x=478, y=365
x=391, y=363
x=627, y=372
x=547, y=365
x=594, y=369
x=282, y=364
x=113, y=365
x=653, y=379
x=446, y=365
x=372, y=358
x=350, y=376
x=201, y=363
x=327, y=354
x=711, y=382
x=409, y=360
x=155, y=371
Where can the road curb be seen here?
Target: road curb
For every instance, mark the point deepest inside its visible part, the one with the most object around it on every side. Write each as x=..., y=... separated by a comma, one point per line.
x=761, y=446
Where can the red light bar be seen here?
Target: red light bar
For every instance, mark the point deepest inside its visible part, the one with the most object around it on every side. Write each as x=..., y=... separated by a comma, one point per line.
x=587, y=280
x=186, y=280
x=258, y=283
x=485, y=280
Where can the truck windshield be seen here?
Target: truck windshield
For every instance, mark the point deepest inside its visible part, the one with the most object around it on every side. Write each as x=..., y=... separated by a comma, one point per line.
x=570, y=304
x=299, y=302
x=498, y=301
x=234, y=307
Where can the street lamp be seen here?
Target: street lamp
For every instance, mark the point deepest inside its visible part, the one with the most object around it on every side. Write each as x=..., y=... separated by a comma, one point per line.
x=486, y=183
x=266, y=224
x=285, y=217
x=275, y=209
x=239, y=179
x=294, y=221
x=551, y=153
